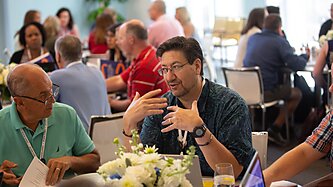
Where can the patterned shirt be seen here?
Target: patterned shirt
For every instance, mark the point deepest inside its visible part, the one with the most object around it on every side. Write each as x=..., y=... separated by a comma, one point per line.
x=226, y=116
x=142, y=75
x=321, y=137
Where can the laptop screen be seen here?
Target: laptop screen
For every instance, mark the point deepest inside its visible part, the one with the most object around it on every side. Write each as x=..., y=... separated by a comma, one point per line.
x=253, y=176
x=48, y=67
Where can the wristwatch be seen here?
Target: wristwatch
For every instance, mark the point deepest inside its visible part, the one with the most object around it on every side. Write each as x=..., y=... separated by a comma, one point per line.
x=199, y=131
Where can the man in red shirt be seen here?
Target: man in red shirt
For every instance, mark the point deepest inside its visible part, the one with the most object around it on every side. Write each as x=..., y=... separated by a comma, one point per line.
x=142, y=75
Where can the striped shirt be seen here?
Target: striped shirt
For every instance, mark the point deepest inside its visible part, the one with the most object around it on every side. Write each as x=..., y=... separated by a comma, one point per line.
x=142, y=75
x=321, y=137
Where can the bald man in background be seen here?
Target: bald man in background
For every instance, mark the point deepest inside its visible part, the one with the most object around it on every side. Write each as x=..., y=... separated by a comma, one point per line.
x=35, y=126
x=142, y=75
x=164, y=27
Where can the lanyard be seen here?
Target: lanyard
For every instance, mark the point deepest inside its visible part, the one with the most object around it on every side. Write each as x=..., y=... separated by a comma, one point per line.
x=182, y=139
x=29, y=53
x=42, y=150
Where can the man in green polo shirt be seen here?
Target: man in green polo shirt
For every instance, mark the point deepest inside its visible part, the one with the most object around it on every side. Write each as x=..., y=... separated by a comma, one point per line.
x=35, y=126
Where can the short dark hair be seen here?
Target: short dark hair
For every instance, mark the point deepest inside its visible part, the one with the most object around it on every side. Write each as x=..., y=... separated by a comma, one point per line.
x=272, y=22
x=71, y=20
x=39, y=26
x=137, y=30
x=30, y=16
x=189, y=46
x=69, y=47
x=273, y=9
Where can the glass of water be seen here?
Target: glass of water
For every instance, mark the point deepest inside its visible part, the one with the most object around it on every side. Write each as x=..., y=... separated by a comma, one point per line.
x=224, y=175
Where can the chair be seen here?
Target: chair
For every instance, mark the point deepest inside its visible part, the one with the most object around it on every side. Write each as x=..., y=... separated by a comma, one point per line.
x=247, y=82
x=226, y=33
x=208, y=63
x=259, y=143
x=103, y=130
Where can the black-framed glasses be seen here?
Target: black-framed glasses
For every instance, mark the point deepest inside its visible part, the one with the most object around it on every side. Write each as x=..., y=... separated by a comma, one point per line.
x=55, y=92
x=173, y=69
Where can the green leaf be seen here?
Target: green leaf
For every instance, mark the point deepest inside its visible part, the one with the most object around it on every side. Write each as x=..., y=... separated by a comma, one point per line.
x=128, y=162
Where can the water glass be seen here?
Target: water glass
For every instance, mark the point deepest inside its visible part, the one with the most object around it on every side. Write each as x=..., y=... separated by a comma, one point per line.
x=224, y=175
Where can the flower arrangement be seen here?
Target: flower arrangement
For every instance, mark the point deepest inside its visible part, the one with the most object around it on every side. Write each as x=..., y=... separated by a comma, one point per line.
x=4, y=71
x=145, y=167
x=324, y=38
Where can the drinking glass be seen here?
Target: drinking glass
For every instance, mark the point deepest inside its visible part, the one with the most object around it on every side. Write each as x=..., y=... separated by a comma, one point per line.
x=224, y=175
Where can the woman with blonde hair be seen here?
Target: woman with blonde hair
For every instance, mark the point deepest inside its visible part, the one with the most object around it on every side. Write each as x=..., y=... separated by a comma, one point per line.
x=183, y=17
x=97, y=42
x=52, y=29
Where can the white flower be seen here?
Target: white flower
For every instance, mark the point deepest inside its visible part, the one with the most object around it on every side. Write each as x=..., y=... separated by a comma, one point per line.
x=112, y=167
x=149, y=158
x=1, y=79
x=129, y=181
x=134, y=158
x=145, y=168
x=4, y=73
x=145, y=174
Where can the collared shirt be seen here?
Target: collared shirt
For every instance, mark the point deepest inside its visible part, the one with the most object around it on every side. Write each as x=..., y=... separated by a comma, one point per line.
x=65, y=137
x=83, y=88
x=163, y=29
x=226, y=116
x=321, y=138
x=271, y=53
x=73, y=63
x=142, y=75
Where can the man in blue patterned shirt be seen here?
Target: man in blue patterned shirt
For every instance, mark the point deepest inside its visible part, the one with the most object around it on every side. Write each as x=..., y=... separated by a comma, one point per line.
x=195, y=112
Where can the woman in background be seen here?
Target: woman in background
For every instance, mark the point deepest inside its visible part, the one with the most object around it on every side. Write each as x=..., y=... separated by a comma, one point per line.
x=32, y=36
x=183, y=17
x=97, y=42
x=52, y=29
x=30, y=16
x=254, y=25
x=114, y=53
x=67, y=23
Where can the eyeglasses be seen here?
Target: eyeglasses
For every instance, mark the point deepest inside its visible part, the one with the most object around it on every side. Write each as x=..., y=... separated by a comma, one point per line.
x=55, y=92
x=173, y=69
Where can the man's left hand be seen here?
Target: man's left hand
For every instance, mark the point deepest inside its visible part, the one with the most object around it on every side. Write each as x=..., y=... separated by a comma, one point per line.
x=57, y=169
x=183, y=119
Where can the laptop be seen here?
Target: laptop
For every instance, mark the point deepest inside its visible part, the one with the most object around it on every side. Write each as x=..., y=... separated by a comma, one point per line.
x=194, y=176
x=48, y=67
x=253, y=176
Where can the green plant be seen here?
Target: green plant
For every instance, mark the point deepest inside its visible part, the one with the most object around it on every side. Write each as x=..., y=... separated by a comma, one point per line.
x=103, y=4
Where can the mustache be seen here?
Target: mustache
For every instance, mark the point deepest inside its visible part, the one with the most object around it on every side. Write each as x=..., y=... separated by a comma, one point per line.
x=173, y=82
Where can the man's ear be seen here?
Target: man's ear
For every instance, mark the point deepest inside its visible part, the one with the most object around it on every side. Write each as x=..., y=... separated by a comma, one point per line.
x=18, y=101
x=59, y=60
x=131, y=39
x=198, y=66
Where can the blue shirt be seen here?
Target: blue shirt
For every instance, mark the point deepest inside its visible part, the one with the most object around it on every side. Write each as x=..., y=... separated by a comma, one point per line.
x=226, y=116
x=65, y=137
x=83, y=88
x=271, y=52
